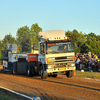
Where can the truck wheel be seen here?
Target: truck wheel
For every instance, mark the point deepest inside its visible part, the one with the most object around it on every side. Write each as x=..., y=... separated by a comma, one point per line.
x=29, y=71
x=11, y=70
x=14, y=72
x=54, y=75
x=4, y=69
x=15, y=68
x=69, y=74
x=43, y=75
x=40, y=72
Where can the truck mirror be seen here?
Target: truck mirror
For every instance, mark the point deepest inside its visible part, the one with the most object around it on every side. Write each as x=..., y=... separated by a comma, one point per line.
x=33, y=46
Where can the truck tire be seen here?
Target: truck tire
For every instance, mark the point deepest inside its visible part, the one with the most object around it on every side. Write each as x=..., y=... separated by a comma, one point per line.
x=11, y=70
x=14, y=72
x=54, y=75
x=29, y=71
x=43, y=75
x=69, y=74
x=15, y=68
x=4, y=69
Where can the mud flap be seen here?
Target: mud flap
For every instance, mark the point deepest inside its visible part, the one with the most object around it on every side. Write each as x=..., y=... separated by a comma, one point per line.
x=44, y=74
x=70, y=73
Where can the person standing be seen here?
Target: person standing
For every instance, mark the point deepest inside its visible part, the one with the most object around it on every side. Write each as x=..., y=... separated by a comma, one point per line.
x=77, y=63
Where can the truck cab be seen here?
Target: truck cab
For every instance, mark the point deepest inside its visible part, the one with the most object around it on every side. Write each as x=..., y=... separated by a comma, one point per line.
x=11, y=48
x=56, y=54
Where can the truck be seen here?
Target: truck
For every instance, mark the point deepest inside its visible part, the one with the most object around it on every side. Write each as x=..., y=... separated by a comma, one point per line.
x=55, y=56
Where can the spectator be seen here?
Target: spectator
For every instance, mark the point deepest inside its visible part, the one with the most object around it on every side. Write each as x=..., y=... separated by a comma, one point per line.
x=91, y=62
x=98, y=63
x=94, y=63
x=92, y=55
x=77, y=63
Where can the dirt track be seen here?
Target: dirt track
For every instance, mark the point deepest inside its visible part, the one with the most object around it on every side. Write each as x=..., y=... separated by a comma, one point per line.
x=60, y=88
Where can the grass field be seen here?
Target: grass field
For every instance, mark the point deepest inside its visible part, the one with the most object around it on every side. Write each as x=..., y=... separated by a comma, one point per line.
x=87, y=74
x=6, y=95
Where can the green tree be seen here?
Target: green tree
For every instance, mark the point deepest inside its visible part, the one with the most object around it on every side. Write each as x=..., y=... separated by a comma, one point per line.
x=34, y=31
x=94, y=45
x=26, y=45
x=89, y=36
x=7, y=40
x=0, y=50
x=77, y=38
x=98, y=38
x=22, y=33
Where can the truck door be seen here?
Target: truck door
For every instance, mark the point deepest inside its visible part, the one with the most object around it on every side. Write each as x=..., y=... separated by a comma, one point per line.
x=42, y=53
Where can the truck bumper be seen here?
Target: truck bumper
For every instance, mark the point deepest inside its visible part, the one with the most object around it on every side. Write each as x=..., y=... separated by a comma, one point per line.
x=54, y=70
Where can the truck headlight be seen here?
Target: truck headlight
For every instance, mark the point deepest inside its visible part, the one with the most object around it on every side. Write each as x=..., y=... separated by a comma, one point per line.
x=49, y=66
x=49, y=59
x=72, y=64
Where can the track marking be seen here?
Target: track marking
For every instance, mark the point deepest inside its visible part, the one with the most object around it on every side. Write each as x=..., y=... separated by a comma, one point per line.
x=31, y=98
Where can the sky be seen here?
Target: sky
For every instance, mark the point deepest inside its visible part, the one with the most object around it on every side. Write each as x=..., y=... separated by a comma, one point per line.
x=82, y=15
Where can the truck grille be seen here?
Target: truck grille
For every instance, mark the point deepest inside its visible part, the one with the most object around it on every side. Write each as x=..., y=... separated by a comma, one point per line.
x=60, y=65
x=61, y=59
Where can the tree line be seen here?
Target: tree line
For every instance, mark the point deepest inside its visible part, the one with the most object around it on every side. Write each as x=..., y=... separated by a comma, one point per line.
x=84, y=43
x=26, y=36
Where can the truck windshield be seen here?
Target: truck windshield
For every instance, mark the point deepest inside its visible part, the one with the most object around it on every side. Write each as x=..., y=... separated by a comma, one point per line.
x=59, y=47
